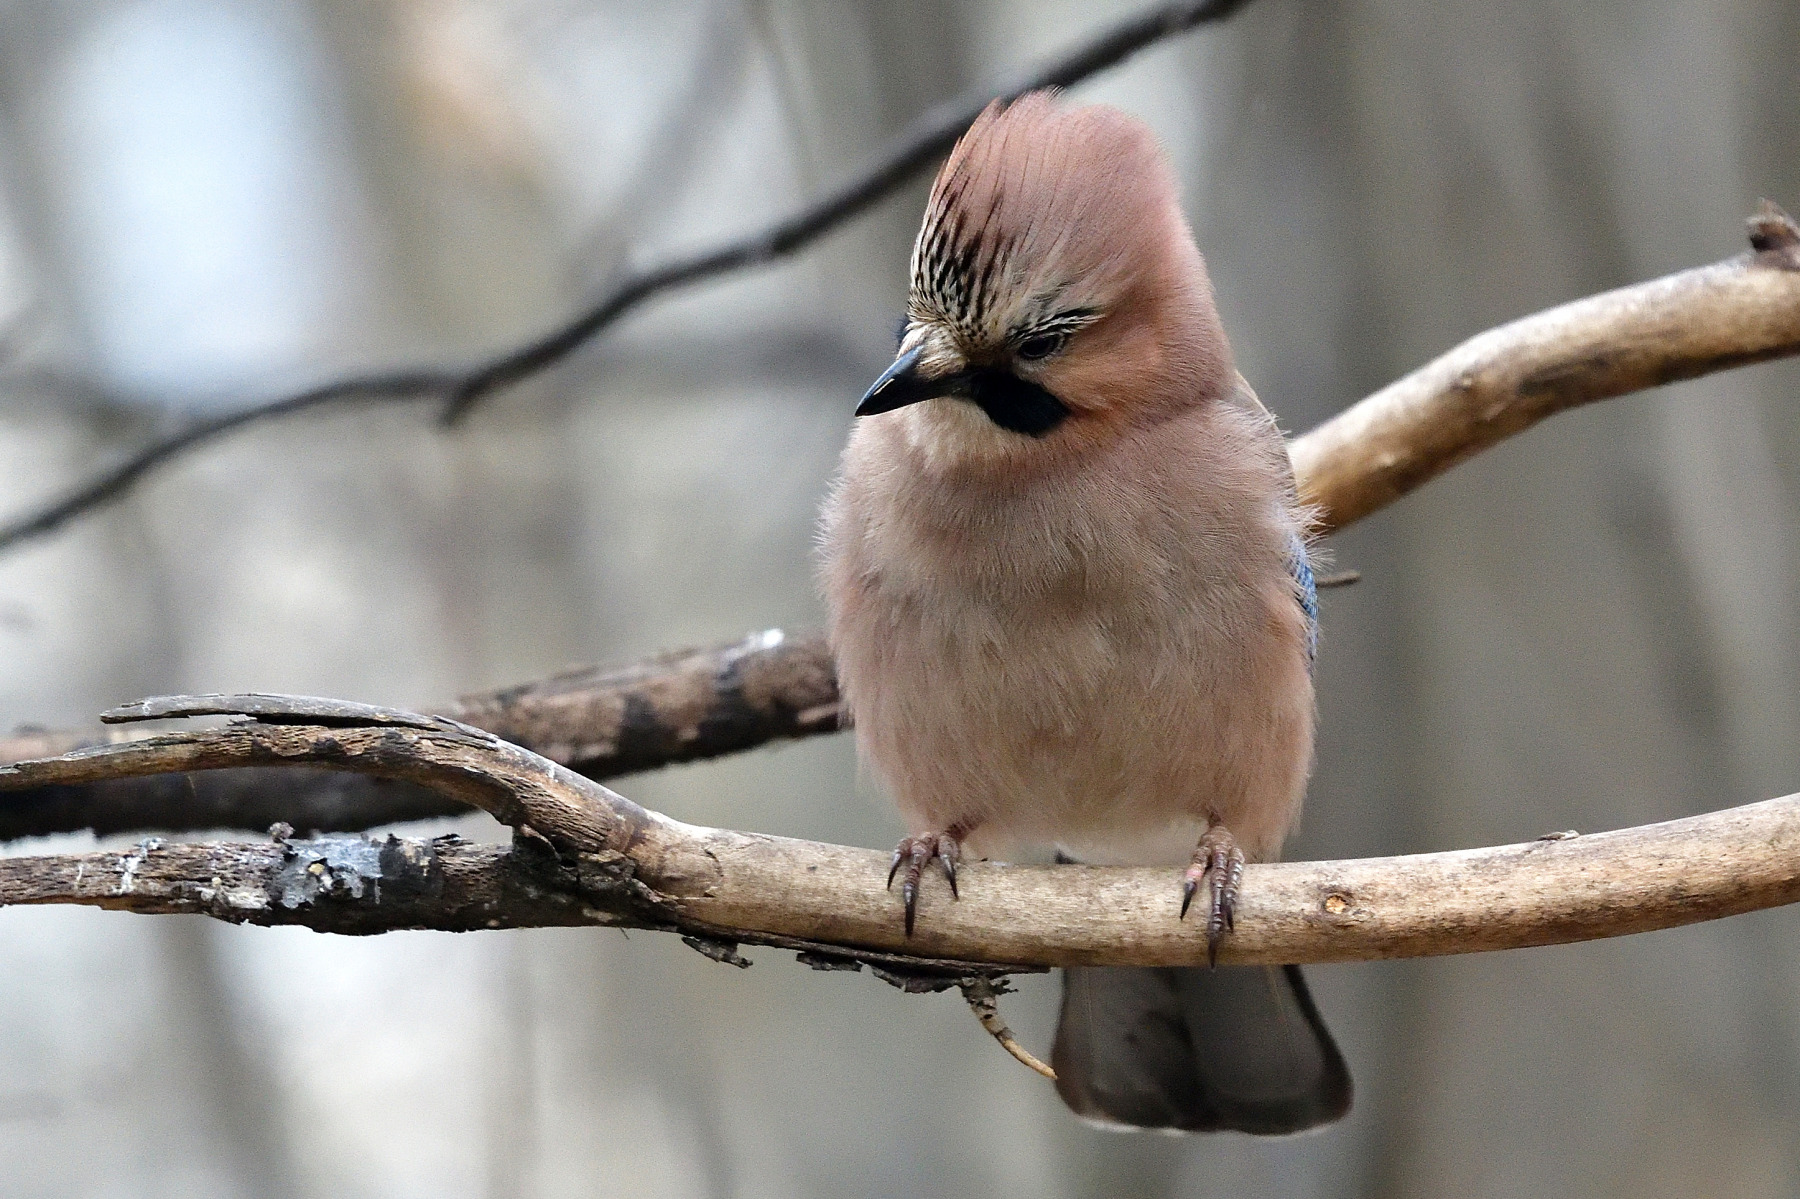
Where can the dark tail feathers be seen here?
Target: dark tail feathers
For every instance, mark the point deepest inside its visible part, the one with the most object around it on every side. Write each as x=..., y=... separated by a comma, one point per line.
x=1239, y=1048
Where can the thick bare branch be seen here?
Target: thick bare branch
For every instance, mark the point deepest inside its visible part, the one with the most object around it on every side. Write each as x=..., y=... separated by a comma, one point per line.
x=926, y=140
x=625, y=865
x=338, y=885
x=674, y=707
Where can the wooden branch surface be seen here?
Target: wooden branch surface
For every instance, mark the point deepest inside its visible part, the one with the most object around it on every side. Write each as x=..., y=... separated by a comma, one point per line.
x=674, y=707
x=1499, y=383
x=586, y=855
x=705, y=703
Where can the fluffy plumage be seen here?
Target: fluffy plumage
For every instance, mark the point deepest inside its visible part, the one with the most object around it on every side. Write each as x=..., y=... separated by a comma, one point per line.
x=1089, y=633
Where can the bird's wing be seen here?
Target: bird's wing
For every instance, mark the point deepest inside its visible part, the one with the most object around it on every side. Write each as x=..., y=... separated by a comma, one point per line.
x=1306, y=589
x=1299, y=561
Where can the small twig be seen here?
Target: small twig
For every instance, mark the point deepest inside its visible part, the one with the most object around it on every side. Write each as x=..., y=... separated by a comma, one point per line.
x=983, y=995
x=1341, y=578
x=926, y=140
x=1774, y=235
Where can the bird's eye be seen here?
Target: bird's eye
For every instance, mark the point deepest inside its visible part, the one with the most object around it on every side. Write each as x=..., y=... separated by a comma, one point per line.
x=1041, y=345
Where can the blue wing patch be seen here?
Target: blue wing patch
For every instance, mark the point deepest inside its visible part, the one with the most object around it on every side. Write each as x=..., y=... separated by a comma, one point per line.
x=1307, y=591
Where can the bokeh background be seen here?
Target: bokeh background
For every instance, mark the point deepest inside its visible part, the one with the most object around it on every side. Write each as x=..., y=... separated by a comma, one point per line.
x=1595, y=625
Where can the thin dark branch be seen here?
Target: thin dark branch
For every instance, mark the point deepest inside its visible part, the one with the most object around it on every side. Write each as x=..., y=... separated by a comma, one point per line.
x=312, y=800
x=923, y=143
x=919, y=146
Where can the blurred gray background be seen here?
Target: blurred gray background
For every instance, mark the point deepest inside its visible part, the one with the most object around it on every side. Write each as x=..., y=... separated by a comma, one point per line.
x=203, y=201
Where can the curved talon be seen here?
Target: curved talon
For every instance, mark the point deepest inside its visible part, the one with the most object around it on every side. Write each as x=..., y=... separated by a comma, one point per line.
x=1220, y=863
x=917, y=853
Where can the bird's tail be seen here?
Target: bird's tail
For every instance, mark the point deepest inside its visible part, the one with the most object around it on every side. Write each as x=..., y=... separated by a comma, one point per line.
x=1197, y=1050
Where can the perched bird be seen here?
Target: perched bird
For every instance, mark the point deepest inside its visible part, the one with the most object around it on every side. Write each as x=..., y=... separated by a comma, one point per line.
x=1071, y=602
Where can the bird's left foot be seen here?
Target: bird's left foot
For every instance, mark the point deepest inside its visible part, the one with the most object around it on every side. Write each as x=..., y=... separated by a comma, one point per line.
x=1220, y=863
x=911, y=857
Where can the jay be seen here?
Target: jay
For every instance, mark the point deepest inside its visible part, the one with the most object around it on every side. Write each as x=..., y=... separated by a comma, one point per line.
x=1070, y=599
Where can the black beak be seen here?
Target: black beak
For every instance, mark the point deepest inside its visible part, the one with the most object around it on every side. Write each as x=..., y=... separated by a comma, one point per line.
x=1014, y=404
x=901, y=384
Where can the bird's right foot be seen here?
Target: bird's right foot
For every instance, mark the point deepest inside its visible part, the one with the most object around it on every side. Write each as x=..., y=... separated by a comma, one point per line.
x=1219, y=863
x=911, y=857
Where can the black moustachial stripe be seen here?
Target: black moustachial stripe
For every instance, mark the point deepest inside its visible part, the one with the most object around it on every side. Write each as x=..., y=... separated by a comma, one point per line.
x=1015, y=404
x=1012, y=403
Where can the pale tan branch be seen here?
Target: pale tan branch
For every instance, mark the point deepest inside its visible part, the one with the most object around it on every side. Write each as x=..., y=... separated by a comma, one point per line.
x=626, y=865
x=1745, y=309
x=361, y=886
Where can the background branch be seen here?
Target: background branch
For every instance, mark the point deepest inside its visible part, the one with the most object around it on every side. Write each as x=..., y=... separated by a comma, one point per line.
x=926, y=140
x=706, y=703
x=674, y=707
x=1743, y=310
x=583, y=854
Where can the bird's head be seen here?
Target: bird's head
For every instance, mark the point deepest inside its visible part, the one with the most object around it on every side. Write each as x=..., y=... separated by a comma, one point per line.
x=1057, y=296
